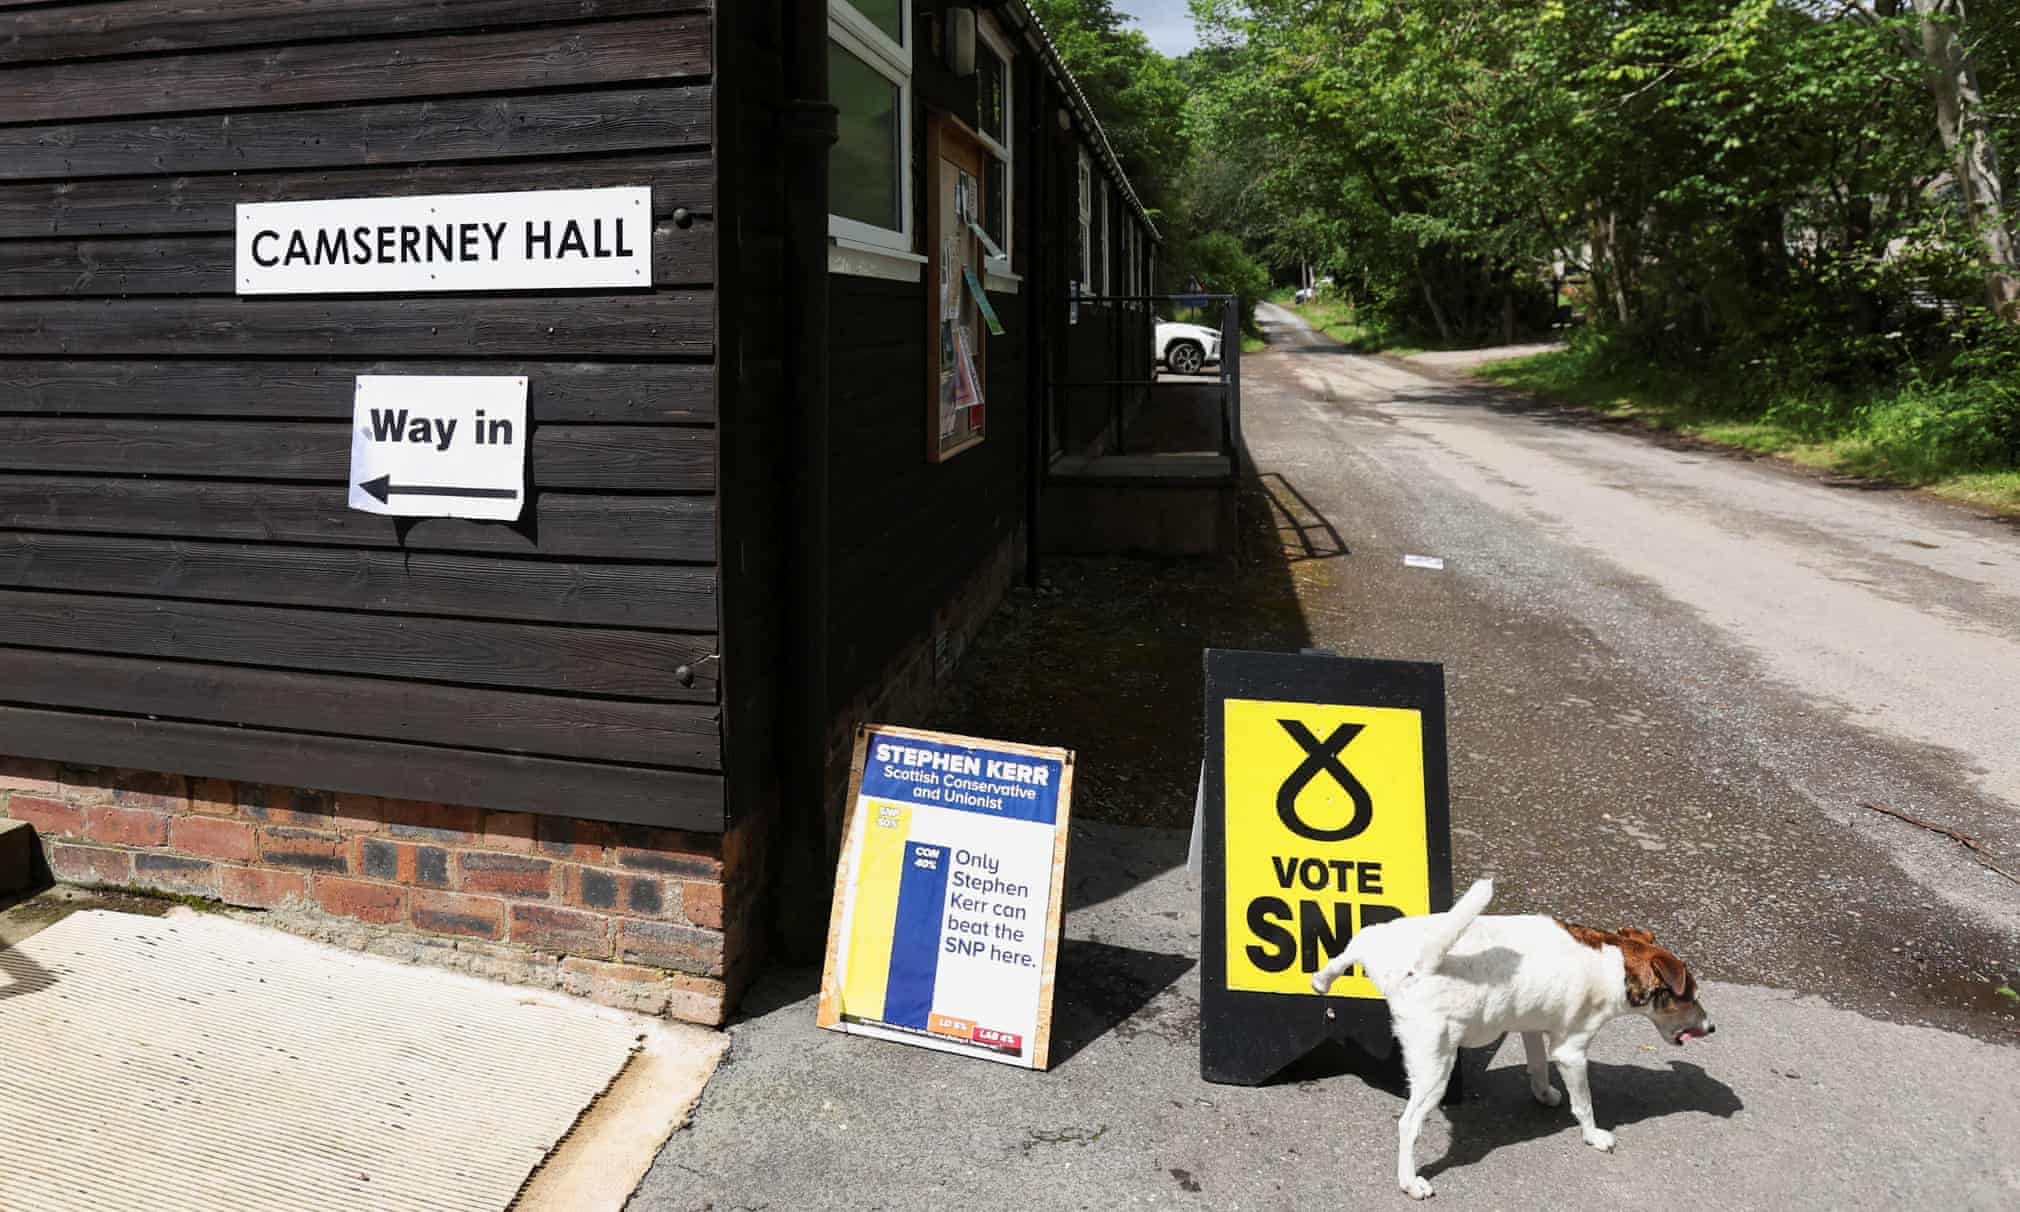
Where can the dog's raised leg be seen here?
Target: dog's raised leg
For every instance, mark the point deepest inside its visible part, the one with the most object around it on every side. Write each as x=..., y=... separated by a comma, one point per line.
x=1570, y=1058
x=1429, y=1065
x=1537, y=1049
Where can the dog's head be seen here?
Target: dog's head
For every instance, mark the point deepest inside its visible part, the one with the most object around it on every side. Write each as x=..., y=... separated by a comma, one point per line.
x=1661, y=987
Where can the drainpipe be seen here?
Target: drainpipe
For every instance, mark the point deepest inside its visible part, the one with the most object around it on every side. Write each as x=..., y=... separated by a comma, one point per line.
x=1037, y=314
x=806, y=837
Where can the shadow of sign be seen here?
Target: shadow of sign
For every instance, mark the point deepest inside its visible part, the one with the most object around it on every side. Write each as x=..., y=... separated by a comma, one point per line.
x=1503, y=1113
x=1103, y=988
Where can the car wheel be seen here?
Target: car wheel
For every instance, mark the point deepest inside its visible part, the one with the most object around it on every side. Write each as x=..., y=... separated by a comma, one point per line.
x=1185, y=357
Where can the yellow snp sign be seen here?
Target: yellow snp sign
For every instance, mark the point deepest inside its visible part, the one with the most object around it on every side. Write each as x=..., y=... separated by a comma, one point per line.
x=1310, y=858
x=1324, y=812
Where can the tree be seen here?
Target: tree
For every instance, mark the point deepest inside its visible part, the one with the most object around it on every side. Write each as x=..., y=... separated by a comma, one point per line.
x=1965, y=128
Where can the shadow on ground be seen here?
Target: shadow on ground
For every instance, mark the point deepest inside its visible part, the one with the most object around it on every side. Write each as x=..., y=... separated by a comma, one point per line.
x=1104, y=988
x=1500, y=1112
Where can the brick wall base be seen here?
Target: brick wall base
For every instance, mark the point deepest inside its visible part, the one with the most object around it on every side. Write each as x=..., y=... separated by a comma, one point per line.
x=643, y=919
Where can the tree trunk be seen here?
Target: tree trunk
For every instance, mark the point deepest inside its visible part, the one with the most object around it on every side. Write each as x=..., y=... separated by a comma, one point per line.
x=1437, y=312
x=1960, y=119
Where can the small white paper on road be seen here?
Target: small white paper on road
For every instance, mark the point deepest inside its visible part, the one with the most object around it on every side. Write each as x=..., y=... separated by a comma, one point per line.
x=1417, y=561
x=439, y=446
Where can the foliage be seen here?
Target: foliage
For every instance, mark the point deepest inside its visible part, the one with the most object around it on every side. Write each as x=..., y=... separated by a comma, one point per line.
x=1137, y=93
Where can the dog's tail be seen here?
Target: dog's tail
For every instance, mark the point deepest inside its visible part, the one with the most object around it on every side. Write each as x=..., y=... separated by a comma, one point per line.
x=1452, y=923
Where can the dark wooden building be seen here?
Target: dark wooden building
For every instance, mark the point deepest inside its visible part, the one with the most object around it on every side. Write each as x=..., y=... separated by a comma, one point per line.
x=769, y=495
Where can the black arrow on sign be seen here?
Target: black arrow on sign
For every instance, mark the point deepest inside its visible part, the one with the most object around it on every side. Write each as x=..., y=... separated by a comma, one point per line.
x=384, y=487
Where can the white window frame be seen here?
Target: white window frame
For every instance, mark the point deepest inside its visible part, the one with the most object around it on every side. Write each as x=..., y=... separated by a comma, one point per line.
x=859, y=36
x=1086, y=223
x=1005, y=151
x=1101, y=226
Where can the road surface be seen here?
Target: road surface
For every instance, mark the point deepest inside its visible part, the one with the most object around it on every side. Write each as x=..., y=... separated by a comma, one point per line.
x=1674, y=678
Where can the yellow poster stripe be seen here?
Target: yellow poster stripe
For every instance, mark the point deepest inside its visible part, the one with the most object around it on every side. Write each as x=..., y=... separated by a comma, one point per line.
x=879, y=868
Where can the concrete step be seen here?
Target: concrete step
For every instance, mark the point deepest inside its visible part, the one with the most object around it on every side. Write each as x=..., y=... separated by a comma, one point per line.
x=19, y=856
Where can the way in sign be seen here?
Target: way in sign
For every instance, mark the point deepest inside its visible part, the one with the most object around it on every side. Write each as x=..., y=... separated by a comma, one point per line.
x=439, y=446
x=398, y=425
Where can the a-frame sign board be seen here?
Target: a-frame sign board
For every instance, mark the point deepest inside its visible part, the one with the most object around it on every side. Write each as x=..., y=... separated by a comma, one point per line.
x=1325, y=811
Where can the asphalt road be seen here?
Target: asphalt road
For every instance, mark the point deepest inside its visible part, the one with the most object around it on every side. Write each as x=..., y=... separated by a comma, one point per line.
x=1674, y=677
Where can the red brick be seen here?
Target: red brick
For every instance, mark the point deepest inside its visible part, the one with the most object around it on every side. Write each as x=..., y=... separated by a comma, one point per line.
x=358, y=813
x=151, y=790
x=380, y=904
x=86, y=785
x=26, y=774
x=590, y=888
x=259, y=888
x=511, y=831
x=454, y=913
x=701, y=903
x=212, y=838
x=126, y=826
x=432, y=822
x=91, y=864
x=290, y=807
x=309, y=849
x=670, y=852
x=583, y=841
x=504, y=874
x=666, y=945
x=697, y=999
x=213, y=797
x=403, y=863
x=50, y=818
x=566, y=930
x=174, y=873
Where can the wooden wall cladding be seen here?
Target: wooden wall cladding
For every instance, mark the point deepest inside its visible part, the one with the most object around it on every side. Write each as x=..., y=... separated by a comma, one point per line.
x=181, y=584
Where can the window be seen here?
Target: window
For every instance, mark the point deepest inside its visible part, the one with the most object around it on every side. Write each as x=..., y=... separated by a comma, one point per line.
x=870, y=83
x=994, y=106
x=1086, y=230
x=1099, y=282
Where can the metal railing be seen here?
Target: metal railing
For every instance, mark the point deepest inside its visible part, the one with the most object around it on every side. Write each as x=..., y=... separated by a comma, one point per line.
x=1132, y=357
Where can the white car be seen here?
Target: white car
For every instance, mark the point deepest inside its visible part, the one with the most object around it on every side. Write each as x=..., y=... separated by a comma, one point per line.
x=1186, y=349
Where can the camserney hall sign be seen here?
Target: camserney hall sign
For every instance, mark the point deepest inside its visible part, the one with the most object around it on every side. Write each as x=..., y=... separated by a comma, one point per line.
x=533, y=240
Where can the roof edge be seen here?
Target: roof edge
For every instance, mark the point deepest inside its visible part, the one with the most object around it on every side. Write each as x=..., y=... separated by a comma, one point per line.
x=1032, y=31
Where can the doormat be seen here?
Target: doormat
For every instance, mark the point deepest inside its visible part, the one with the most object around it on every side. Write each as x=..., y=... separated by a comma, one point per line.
x=199, y=1062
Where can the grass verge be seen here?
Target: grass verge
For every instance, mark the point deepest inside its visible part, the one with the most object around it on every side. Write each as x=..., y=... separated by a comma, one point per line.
x=1918, y=435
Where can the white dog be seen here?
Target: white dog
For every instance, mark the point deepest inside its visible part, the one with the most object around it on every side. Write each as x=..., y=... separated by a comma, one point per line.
x=1457, y=978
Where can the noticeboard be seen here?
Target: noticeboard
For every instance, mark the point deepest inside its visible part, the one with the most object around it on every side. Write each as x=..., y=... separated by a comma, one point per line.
x=1324, y=812
x=949, y=894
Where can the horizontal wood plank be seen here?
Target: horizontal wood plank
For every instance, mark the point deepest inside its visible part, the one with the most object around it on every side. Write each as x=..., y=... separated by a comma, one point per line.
x=614, y=663
x=609, y=458
x=556, y=392
x=538, y=591
x=203, y=265
x=558, y=525
x=192, y=204
x=686, y=735
x=657, y=324
x=395, y=133
x=673, y=799
x=132, y=27
x=441, y=65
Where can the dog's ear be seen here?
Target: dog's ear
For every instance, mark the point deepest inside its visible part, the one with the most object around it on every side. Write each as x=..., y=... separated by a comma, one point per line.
x=1636, y=933
x=1670, y=971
